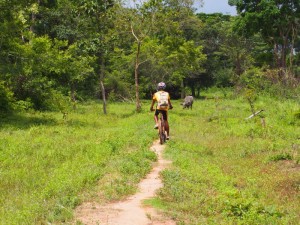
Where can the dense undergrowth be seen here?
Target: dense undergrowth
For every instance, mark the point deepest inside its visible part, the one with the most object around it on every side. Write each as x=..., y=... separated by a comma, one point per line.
x=50, y=164
x=230, y=170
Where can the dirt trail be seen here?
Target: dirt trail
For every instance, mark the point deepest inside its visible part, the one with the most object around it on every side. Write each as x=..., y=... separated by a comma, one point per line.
x=130, y=211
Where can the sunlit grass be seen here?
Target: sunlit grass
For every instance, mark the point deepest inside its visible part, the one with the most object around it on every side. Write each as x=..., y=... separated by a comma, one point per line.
x=229, y=170
x=226, y=169
x=47, y=161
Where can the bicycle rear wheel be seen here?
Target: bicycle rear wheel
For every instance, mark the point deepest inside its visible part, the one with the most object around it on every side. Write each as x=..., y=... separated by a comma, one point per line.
x=162, y=134
x=161, y=138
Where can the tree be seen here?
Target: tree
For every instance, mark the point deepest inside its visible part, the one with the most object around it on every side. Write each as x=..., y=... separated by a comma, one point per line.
x=183, y=62
x=182, y=52
x=276, y=20
x=35, y=62
x=237, y=48
x=141, y=20
x=99, y=13
x=214, y=36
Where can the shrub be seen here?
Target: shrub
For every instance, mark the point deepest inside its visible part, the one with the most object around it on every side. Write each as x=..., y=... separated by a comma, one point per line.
x=224, y=78
x=56, y=101
x=23, y=105
x=282, y=156
x=253, y=79
x=117, y=89
x=6, y=98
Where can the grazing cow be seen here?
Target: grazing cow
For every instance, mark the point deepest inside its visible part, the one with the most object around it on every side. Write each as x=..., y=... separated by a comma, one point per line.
x=188, y=102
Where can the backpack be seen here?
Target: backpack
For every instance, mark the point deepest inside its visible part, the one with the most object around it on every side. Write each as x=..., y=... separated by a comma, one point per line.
x=162, y=101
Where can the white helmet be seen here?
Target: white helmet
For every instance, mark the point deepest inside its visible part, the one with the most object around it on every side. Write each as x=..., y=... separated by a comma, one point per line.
x=161, y=86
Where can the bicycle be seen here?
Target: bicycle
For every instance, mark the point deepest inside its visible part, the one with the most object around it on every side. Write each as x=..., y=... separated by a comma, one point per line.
x=161, y=129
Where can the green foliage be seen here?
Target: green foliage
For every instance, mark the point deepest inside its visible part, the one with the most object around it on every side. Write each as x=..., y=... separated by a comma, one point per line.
x=297, y=115
x=268, y=81
x=247, y=211
x=253, y=79
x=182, y=60
x=70, y=46
x=283, y=156
x=117, y=88
x=21, y=105
x=224, y=78
x=276, y=21
x=6, y=98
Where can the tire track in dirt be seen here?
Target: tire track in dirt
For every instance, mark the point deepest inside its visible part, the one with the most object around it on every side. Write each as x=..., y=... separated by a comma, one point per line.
x=130, y=211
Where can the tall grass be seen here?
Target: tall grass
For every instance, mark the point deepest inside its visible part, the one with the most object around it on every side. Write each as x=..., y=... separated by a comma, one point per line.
x=48, y=164
x=229, y=170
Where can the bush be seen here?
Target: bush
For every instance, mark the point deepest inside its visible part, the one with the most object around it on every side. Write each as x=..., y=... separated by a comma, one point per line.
x=224, y=78
x=6, y=99
x=282, y=156
x=56, y=101
x=297, y=115
x=117, y=89
x=23, y=105
x=254, y=79
x=275, y=83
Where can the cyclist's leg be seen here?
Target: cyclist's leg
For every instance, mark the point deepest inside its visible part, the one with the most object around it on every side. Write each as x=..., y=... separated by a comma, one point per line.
x=167, y=128
x=156, y=118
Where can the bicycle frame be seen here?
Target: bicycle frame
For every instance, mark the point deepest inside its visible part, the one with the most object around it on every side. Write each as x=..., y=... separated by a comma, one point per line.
x=161, y=129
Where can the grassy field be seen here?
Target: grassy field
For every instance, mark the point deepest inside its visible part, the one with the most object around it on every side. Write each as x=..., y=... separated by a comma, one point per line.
x=229, y=170
x=226, y=170
x=48, y=164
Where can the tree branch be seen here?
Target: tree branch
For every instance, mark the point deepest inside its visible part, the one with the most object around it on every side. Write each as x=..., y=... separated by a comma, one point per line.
x=143, y=62
x=254, y=114
x=132, y=31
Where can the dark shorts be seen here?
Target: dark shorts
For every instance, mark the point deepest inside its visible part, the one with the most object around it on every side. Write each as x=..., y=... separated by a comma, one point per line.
x=163, y=112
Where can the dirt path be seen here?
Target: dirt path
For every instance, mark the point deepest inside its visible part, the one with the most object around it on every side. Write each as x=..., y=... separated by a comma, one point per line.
x=130, y=211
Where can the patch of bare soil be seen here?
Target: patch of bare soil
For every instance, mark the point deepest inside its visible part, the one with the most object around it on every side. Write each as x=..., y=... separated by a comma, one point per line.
x=289, y=166
x=131, y=211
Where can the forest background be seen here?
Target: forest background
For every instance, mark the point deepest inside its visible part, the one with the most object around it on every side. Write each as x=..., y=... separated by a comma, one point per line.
x=55, y=53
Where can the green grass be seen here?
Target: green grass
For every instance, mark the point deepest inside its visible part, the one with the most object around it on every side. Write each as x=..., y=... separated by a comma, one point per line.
x=228, y=170
x=49, y=165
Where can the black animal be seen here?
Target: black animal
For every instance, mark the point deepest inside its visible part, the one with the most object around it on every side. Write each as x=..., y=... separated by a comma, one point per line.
x=188, y=102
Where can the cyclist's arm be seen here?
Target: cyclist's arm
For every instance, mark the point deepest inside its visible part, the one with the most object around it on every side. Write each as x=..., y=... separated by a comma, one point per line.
x=170, y=105
x=152, y=104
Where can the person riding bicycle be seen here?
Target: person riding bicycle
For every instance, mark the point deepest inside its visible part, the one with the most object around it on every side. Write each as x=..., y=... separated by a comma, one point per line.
x=163, y=105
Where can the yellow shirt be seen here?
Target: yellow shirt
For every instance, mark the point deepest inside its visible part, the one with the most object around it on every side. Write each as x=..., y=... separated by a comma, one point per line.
x=162, y=98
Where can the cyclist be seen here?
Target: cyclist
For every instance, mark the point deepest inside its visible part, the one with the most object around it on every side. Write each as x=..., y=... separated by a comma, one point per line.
x=163, y=104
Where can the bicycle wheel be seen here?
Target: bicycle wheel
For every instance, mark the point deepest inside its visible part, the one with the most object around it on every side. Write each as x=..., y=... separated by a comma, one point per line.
x=162, y=135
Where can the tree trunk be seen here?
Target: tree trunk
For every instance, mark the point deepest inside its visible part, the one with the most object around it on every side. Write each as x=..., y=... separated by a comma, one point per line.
x=102, y=69
x=198, y=92
x=238, y=67
x=103, y=96
x=193, y=90
x=73, y=95
x=277, y=63
x=33, y=18
x=182, y=89
x=136, y=77
x=283, y=55
x=292, y=49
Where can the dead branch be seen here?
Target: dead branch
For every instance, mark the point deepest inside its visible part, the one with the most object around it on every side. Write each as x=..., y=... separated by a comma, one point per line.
x=254, y=114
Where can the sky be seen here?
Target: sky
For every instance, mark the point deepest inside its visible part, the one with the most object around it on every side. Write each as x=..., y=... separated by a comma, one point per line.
x=209, y=6
x=216, y=6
